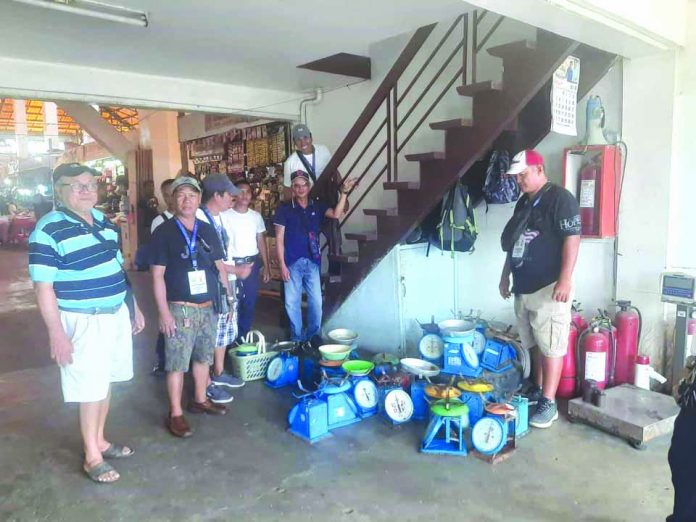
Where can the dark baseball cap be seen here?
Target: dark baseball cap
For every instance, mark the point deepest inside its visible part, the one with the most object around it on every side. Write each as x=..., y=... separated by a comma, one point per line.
x=300, y=131
x=300, y=174
x=70, y=170
x=220, y=183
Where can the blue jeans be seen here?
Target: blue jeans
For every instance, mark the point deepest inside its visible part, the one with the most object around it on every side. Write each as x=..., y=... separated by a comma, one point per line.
x=247, y=292
x=304, y=275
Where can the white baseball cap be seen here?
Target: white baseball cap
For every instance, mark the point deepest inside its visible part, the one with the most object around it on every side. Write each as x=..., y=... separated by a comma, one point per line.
x=524, y=159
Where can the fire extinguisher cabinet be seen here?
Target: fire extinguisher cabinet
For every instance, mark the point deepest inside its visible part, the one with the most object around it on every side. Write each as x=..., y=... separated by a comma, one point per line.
x=593, y=175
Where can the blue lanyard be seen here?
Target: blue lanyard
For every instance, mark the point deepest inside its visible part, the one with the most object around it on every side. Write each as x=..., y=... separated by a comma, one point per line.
x=219, y=229
x=190, y=242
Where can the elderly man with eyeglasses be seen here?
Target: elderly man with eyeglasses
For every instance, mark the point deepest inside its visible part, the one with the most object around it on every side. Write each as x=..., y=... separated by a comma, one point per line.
x=85, y=300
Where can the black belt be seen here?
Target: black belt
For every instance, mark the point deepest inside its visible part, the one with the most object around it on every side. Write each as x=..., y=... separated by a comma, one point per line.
x=248, y=260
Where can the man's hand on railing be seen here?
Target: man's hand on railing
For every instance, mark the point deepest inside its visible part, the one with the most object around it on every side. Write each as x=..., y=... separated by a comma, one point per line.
x=349, y=185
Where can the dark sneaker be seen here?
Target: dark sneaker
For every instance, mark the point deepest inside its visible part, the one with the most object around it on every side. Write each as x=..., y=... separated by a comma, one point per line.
x=533, y=395
x=225, y=379
x=546, y=413
x=206, y=407
x=218, y=394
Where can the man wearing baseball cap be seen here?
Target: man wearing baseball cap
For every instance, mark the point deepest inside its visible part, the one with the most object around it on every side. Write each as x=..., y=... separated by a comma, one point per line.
x=83, y=295
x=186, y=267
x=541, y=240
x=297, y=224
x=219, y=194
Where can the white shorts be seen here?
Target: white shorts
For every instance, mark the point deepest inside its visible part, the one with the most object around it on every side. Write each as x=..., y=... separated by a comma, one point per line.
x=103, y=353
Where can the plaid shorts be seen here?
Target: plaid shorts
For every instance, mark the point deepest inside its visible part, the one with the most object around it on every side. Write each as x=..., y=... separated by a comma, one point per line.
x=227, y=327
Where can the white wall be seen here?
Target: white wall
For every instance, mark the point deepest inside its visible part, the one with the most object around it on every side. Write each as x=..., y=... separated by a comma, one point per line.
x=644, y=217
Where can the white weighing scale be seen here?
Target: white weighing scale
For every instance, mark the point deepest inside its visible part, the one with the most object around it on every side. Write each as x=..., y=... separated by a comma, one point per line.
x=635, y=414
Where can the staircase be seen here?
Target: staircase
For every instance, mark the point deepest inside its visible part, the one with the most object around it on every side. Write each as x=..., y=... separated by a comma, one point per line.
x=513, y=114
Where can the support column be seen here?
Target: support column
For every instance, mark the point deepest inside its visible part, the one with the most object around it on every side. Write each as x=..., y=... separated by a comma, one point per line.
x=159, y=132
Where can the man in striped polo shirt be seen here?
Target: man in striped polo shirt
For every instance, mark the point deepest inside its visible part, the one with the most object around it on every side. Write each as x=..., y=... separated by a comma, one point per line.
x=82, y=293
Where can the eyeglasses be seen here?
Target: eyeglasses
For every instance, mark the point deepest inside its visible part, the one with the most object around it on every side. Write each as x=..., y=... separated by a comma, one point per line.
x=76, y=188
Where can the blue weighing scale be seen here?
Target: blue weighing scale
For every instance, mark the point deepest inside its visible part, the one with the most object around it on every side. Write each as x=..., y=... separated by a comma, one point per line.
x=365, y=395
x=421, y=371
x=283, y=370
x=395, y=405
x=445, y=432
x=489, y=435
x=331, y=406
x=498, y=355
x=460, y=356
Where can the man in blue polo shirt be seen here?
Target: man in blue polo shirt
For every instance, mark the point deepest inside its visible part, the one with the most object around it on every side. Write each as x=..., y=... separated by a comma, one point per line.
x=297, y=225
x=75, y=264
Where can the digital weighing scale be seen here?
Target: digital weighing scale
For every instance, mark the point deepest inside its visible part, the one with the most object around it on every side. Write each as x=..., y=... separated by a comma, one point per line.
x=635, y=414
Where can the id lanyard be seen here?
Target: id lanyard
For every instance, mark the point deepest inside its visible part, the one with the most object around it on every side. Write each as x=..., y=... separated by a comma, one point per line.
x=218, y=229
x=190, y=242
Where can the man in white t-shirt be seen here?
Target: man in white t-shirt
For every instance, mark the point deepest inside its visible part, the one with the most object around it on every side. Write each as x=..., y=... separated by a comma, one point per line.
x=247, y=245
x=308, y=157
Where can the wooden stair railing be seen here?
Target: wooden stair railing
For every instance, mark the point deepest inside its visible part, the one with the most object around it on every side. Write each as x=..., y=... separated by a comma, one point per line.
x=514, y=114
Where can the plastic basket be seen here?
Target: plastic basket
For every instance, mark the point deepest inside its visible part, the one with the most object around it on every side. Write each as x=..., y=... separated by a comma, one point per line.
x=251, y=367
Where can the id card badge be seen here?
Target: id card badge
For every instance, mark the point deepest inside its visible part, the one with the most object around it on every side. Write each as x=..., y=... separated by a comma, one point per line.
x=518, y=249
x=197, y=282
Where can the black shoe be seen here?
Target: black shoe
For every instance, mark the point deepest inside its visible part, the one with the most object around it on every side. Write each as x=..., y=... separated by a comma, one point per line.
x=533, y=395
x=158, y=371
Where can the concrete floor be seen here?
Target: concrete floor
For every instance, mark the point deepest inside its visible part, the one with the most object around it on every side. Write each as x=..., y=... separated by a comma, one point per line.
x=246, y=467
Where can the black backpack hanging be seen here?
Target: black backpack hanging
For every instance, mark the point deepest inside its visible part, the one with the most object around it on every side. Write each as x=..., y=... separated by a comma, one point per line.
x=499, y=186
x=456, y=230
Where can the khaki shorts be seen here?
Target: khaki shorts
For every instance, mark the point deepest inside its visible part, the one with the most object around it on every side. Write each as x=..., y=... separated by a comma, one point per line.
x=543, y=322
x=195, y=341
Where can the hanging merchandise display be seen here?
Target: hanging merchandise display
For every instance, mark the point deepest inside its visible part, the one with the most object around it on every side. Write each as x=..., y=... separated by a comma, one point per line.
x=628, y=323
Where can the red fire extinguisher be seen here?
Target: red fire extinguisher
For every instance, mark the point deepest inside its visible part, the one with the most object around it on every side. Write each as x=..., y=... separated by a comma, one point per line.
x=568, y=385
x=628, y=322
x=597, y=353
x=588, y=197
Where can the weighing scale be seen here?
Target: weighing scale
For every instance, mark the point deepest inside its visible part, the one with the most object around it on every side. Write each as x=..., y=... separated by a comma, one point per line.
x=445, y=432
x=284, y=369
x=431, y=347
x=366, y=396
x=635, y=414
x=395, y=405
x=421, y=371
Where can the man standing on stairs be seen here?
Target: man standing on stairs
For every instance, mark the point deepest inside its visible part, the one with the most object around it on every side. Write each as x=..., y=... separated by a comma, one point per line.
x=313, y=159
x=541, y=240
x=297, y=224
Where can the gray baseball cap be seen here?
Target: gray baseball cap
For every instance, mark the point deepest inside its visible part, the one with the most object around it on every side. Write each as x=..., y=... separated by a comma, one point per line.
x=300, y=131
x=186, y=181
x=220, y=183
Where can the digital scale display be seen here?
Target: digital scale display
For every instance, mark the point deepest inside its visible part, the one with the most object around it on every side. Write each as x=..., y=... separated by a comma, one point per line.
x=678, y=288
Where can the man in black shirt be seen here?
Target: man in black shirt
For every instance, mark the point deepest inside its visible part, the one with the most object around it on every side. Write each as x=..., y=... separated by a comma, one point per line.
x=541, y=240
x=186, y=263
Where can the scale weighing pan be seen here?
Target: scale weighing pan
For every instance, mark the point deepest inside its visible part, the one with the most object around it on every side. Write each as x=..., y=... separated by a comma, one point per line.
x=629, y=412
x=330, y=364
x=420, y=367
x=358, y=368
x=442, y=391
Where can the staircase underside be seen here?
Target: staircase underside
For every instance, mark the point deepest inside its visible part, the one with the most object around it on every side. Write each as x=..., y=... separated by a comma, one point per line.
x=514, y=114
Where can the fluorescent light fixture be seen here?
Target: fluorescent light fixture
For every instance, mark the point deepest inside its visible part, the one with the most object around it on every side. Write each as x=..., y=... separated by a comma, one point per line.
x=111, y=13
x=614, y=21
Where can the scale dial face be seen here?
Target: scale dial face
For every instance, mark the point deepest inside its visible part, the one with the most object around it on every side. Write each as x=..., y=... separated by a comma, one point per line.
x=431, y=346
x=488, y=435
x=275, y=369
x=479, y=342
x=470, y=355
x=365, y=393
x=398, y=406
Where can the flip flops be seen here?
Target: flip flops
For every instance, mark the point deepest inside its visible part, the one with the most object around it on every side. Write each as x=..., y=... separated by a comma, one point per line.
x=98, y=470
x=117, y=452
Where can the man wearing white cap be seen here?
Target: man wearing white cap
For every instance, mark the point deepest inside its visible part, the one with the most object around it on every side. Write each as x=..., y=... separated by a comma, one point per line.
x=541, y=240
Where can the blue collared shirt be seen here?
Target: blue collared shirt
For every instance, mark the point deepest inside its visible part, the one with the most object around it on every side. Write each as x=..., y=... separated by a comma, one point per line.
x=298, y=223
